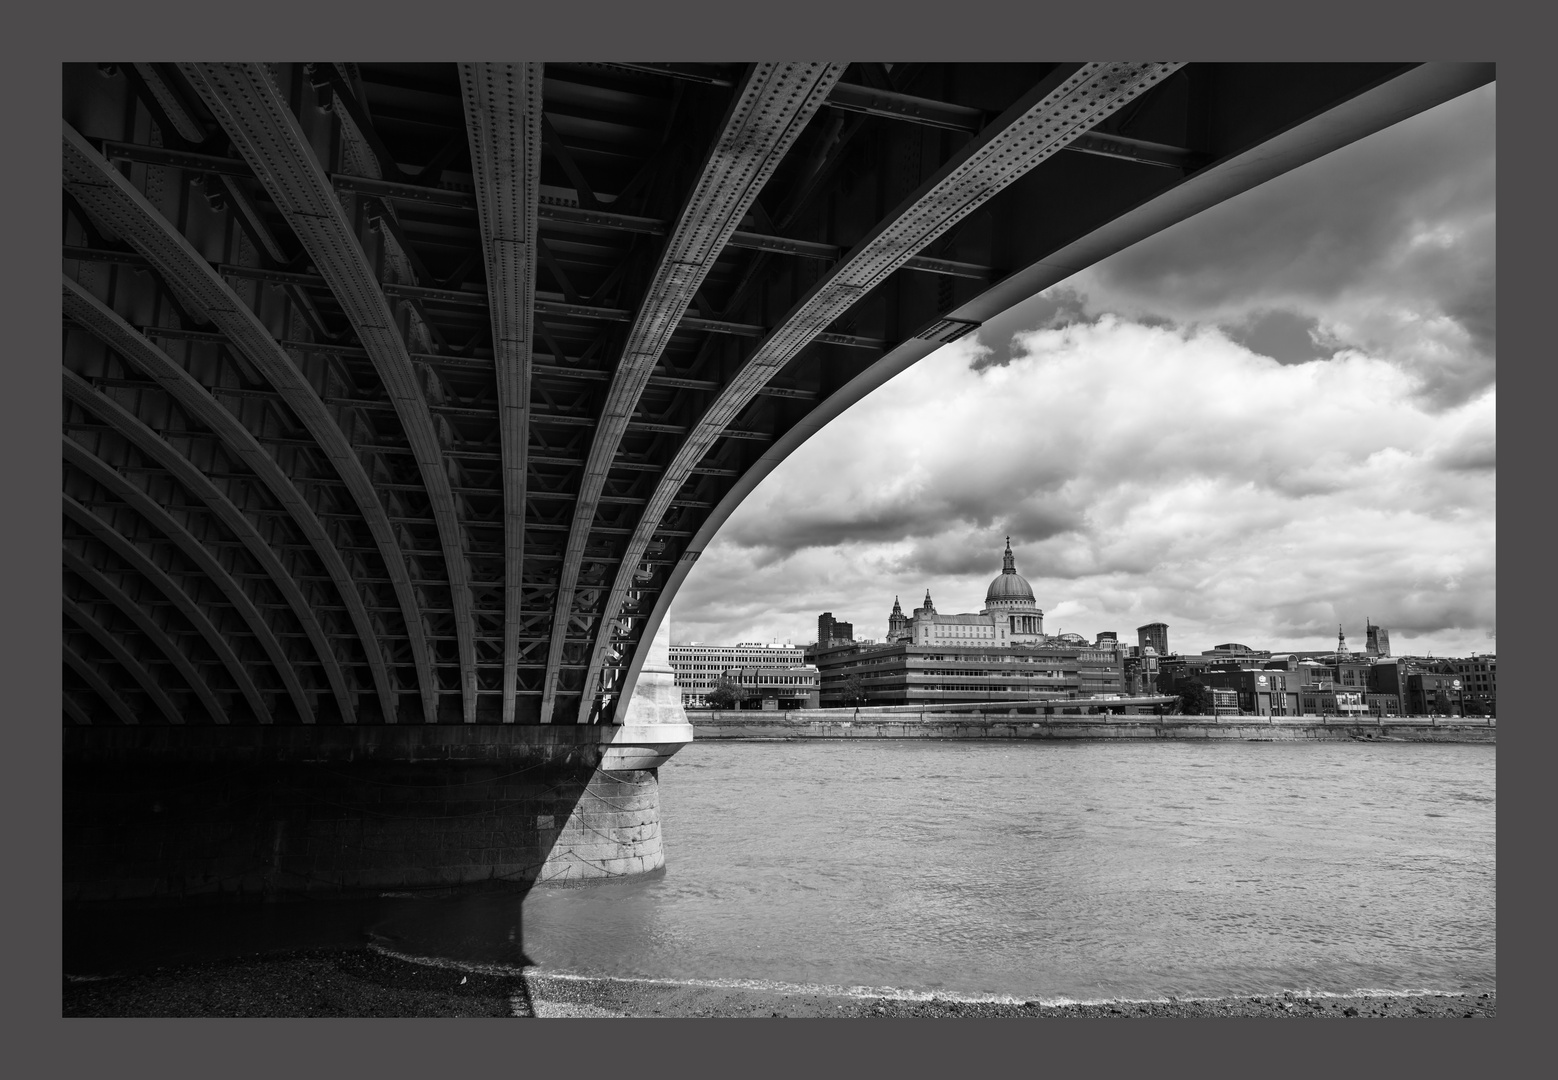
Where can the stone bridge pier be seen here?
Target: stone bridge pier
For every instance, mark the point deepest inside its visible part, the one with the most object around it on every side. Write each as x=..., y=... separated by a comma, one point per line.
x=170, y=813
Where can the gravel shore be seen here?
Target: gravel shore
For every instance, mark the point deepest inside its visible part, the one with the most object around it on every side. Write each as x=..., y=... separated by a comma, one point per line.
x=365, y=982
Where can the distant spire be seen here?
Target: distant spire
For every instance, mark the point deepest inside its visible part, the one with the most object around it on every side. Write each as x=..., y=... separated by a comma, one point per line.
x=896, y=609
x=1008, y=561
x=928, y=604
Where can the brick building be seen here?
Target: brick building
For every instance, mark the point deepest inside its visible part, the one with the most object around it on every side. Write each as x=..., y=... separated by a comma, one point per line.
x=831, y=631
x=1479, y=684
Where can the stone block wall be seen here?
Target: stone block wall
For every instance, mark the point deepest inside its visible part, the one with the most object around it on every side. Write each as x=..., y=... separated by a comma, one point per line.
x=175, y=818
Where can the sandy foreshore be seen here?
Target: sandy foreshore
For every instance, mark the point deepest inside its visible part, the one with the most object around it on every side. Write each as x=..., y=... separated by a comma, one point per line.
x=364, y=982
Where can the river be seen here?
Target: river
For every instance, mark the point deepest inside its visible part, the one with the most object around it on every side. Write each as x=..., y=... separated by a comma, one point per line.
x=1055, y=871
x=1077, y=871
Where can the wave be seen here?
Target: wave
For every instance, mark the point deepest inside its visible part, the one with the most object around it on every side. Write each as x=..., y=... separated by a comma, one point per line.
x=898, y=993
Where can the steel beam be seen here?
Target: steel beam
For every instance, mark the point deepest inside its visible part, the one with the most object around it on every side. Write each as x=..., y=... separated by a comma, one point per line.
x=187, y=473
x=109, y=197
x=142, y=564
x=107, y=326
x=1065, y=104
x=503, y=124
x=1405, y=94
x=123, y=657
x=100, y=686
x=254, y=112
x=74, y=710
x=771, y=108
x=152, y=511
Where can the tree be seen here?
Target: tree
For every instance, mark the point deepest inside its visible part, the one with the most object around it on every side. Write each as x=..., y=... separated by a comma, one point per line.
x=725, y=695
x=853, y=691
x=1195, y=699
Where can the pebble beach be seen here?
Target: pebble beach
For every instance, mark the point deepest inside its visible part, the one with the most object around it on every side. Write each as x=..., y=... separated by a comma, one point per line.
x=370, y=983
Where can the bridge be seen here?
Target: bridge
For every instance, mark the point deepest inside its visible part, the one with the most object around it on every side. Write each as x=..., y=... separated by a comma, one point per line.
x=400, y=399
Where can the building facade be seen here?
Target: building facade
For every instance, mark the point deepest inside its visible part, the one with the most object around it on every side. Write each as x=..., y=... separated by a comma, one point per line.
x=700, y=665
x=1010, y=616
x=831, y=631
x=1154, y=634
x=1479, y=684
x=772, y=689
x=908, y=673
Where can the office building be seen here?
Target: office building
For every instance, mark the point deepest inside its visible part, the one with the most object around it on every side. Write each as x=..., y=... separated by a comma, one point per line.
x=700, y=665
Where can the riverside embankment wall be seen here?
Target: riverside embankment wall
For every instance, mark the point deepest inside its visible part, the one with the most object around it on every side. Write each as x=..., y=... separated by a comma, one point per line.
x=813, y=724
x=166, y=814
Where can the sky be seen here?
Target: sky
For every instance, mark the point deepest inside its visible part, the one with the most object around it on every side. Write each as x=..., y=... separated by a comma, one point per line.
x=1267, y=420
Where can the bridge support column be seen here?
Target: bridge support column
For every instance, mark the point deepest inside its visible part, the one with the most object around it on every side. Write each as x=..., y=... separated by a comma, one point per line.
x=654, y=725
x=164, y=814
x=615, y=826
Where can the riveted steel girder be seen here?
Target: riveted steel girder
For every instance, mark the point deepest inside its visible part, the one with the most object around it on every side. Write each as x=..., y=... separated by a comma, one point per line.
x=531, y=265
x=84, y=618
x=187, y=473
x=503, y=124
x=771, y=108
x=105, y=323
x=198, y=402
x=1066, y=103
x=100, y=686
x=215, y=639
x=152, y=511
x=114, y=202
x=253, y=111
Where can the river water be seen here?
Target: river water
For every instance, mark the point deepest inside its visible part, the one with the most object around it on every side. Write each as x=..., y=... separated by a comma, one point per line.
x=1054, y=871
x=993, y=870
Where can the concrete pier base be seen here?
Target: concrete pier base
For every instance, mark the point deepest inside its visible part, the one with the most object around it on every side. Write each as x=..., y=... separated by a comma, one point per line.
x=192, y=812
x=268, y=812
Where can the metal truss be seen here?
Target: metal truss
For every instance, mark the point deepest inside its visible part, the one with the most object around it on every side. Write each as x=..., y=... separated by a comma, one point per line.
x=503, y=123
x=772, y=107
x=97, y=317
x=100, y=686
x=84, y=618
x=143, y=438
x=251, y=108
x=104, y=474
x=475, y=359
x=1062, y=106
x=139, y=562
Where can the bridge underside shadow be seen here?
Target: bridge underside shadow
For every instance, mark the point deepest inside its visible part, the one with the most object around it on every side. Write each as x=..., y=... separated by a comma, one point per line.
x=400, y=399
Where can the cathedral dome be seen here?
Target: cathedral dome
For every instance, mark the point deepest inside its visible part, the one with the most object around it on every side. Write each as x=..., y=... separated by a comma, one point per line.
x=1010, y=586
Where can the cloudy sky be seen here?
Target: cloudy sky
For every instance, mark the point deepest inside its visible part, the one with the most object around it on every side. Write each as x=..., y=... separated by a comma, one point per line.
x=1268, y=419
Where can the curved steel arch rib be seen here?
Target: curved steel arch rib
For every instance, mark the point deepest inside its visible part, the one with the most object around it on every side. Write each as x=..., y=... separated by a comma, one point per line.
x=503, y=124
x=770, y=110
x=114, y=202
x=1065, y=104
x=254, y=113
x=1402, y=95
x=103, y=322
x=198, y=484
x=149, y=570
x=100, y=686
x=75, y=711
x=147, y=507
x=122, y=656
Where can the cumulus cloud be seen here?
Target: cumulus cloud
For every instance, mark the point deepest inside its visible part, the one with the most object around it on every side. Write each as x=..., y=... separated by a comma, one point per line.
x=1267, y=420
x=1386, y=246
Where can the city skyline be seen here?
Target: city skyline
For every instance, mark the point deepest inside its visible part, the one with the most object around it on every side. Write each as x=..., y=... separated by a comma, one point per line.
x=1271, y=418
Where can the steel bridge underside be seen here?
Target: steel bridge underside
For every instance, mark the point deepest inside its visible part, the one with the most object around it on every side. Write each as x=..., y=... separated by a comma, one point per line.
x=410, y=393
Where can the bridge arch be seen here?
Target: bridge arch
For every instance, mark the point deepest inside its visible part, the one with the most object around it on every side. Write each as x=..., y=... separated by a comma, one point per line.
x=508, y=343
